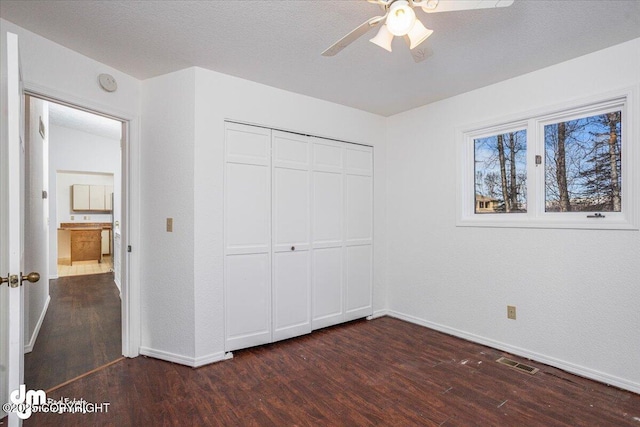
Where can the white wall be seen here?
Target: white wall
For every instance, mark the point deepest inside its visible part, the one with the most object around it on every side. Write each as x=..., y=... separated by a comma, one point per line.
x=36, y=295
x=183, y=135
x=57, y=70
x=77, y=157
x=167, y=188
x=577, y=292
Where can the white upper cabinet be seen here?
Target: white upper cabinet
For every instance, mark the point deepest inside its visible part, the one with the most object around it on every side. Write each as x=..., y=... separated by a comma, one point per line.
x=96, y=197
x=108, y=197
x=80, y=197
x=91, y=197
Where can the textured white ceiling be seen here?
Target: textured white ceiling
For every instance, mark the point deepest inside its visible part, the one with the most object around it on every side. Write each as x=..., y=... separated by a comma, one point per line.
x=278, y=43
x=60, y=115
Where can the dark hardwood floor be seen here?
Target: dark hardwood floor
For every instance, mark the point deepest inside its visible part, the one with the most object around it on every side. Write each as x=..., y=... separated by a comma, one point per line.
x=379, y=372
x=81, y=331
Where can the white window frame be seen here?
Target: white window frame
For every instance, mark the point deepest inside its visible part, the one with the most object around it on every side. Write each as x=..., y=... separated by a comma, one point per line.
x=533, y=122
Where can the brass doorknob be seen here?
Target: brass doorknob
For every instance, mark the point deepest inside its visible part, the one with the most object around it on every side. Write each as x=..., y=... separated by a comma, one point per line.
x=32, y=277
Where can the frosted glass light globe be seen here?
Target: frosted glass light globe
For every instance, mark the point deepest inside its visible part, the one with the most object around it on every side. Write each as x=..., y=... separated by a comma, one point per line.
x=401, y=18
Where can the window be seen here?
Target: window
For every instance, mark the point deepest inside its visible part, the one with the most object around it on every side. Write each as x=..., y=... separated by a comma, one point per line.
x=568, y=167
x=583, y=164
x=500, y=172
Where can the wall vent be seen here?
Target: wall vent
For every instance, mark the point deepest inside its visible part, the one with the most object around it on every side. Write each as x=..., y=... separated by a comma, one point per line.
x=519, y=366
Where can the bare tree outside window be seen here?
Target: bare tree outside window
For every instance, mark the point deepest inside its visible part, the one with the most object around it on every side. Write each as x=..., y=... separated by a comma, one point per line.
x=500, y=173
x=583, y=164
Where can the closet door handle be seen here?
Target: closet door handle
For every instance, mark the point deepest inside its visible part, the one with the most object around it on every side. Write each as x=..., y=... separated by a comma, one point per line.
x=293, y=248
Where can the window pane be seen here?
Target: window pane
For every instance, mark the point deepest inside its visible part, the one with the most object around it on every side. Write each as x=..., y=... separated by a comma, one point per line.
x=500, y=173
x=583, y=164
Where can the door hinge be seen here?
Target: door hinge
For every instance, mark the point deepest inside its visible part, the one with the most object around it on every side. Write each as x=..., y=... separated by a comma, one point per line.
x=129, y=248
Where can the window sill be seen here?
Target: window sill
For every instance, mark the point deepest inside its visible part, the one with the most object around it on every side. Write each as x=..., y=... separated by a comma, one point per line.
x=550, y=221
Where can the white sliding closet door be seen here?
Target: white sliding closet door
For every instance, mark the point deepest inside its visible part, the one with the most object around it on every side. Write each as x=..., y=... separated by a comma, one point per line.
x=291, y=161
x=247, y=216
x=342, y=232
x=298, y=225
x=328, y=232
x=358, y=257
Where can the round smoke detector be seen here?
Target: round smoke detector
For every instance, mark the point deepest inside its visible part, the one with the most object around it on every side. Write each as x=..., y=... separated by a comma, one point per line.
x=107, y=82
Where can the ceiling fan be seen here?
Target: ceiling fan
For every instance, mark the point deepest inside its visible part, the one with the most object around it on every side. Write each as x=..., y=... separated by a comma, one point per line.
x=401, y=21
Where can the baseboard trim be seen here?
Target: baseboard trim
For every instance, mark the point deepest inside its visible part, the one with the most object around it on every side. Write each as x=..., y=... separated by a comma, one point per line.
x=521, y=352
x=119, y=286
x=378, y=313
x=212, y=358
x=184, y=360
x=32, y=341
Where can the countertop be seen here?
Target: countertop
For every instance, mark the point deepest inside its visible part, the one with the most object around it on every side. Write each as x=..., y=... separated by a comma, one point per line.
x=85, y=226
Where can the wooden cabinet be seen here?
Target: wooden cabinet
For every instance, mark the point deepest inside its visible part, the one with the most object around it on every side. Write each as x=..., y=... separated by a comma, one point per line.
x=91, y=197
x=86, y=245
x=83, y=241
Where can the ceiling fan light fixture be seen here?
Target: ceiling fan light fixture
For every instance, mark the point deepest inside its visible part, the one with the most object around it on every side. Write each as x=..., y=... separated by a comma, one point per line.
x=383, y=38
x=401, y=18
x=418, y=34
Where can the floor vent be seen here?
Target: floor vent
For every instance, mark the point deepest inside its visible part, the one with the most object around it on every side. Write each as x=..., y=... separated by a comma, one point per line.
x=519, y=366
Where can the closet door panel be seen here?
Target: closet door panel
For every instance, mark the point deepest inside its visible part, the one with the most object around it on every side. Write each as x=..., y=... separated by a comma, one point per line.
x=328, y=233
x=359, y=231
x=247, y=236
x=248, y=208
x=327, y=287
x=290, y=150
x=247, y=144
x=291, y=235
x=290, y=209
x=327, y=209
x=328, y=155
x=247, y=300
x=291, y=296
x=359, y=159
x=359, y=212
x=359, y=263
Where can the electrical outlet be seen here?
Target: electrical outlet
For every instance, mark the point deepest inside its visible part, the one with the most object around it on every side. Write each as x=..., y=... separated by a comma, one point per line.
x=169, y=225
x=511, y=312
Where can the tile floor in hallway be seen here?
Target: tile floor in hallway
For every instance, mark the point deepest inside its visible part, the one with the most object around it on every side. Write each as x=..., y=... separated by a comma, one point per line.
x=86, y=267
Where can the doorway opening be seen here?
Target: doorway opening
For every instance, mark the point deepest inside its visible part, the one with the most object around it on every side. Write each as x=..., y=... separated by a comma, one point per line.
x=73, y=322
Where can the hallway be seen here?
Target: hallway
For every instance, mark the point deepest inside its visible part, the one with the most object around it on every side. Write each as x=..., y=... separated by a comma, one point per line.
x=81, y=331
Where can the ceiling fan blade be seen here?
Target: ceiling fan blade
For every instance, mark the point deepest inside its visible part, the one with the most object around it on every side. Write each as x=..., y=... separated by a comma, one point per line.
x=353, y=35
x=433, y=6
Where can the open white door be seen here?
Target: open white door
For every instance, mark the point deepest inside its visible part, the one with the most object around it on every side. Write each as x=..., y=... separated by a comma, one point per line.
x=11, y=225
